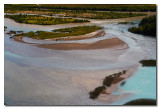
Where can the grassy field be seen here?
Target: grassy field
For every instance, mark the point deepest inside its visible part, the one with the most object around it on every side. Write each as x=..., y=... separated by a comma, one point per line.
x=41, y=20
x=73, y=31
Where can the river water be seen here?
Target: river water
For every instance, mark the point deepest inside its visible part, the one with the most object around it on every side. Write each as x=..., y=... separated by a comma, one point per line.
x=38, y=76
x=143, y=83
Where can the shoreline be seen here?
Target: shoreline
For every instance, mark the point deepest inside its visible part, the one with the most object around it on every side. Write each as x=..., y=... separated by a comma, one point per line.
x=102, y=44
x=94, y=34
x=107, y=96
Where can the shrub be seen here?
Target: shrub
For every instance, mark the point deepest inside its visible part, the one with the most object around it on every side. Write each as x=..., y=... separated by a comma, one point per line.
x=94, y=94
x=148, y=62
x=108, y=81
x=147, y=26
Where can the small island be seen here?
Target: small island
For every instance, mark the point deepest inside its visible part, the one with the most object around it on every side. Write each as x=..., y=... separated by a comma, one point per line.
x=58, y=33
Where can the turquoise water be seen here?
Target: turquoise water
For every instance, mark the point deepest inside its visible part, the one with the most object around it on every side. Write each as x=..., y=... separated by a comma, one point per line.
x=141, y=85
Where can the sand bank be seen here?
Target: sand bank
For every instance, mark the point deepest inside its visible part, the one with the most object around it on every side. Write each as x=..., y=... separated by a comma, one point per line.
x=94, y=34
x=102, y=44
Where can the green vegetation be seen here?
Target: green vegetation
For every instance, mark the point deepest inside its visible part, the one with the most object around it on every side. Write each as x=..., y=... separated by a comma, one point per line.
x=5, y=28
x=81, y=7
x=94, y=94
x=142, y=102
x=103, y=15
x=11, y=32
x=83, y=11
x=19, y=31
x=109, y=79
x=65, y=32
x=106, y=82
x=147, y=26
x=148, y=62
x=126, y=23
x=41, y=20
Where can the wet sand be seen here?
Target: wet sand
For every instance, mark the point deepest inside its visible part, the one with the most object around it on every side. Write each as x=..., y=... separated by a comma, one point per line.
x=107, y=43
x=107, y=95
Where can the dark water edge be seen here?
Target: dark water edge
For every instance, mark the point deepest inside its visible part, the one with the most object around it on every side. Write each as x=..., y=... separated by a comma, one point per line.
x=142, y=102
x=148, y=62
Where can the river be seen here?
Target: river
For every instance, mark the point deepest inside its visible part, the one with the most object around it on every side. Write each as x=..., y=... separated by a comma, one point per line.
x=38, y=76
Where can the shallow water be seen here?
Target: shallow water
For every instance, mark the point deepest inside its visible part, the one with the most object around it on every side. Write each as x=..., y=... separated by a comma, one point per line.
x=38, y=76
x=141, y=85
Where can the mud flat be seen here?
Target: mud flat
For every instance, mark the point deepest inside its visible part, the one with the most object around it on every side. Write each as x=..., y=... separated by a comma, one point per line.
x=107, y=43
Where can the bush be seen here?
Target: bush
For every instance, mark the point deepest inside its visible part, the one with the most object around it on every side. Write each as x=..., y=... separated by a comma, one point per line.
x=94, y=94
x=108, y=81
x=147, y=26
x=148, y=62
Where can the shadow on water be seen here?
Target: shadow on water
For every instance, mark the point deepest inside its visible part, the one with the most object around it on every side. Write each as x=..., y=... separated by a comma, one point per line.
x=123, y=83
